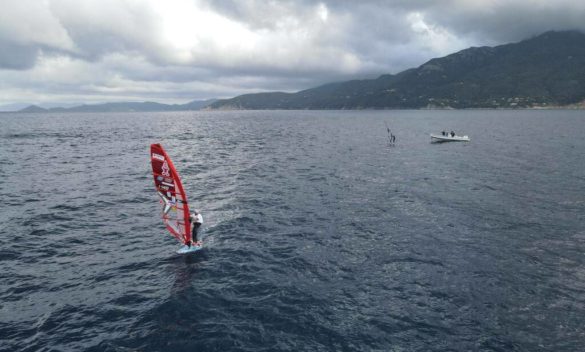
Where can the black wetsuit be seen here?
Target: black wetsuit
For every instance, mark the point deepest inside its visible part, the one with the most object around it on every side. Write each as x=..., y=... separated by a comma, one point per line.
x=194, y=230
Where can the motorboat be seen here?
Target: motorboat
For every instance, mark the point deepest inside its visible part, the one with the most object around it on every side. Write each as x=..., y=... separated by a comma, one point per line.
x=448, y=138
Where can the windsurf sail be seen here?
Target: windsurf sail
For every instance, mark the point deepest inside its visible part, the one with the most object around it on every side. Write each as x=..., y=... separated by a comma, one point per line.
x=175, y=210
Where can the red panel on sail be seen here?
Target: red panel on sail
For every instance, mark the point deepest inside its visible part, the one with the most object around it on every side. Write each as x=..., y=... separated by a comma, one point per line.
x=175, y=211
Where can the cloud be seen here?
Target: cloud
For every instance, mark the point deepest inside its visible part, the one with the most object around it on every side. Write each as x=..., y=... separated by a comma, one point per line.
x=103, y=50
x=17, y=56
x=26, y=26
x=502, y=21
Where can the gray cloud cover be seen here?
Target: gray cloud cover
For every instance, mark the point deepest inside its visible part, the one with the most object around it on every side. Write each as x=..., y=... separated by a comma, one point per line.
x=177, y=50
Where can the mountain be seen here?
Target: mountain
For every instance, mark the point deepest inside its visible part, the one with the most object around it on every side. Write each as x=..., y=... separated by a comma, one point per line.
x=546, y=70
x=125, y=107
x=34, y=108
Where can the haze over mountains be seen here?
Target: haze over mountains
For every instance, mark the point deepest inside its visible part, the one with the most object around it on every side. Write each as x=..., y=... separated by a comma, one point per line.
x=544, y=71
x=125, y=107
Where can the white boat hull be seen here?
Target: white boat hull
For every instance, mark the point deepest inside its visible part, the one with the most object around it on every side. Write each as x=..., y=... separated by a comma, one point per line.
x=441, y=138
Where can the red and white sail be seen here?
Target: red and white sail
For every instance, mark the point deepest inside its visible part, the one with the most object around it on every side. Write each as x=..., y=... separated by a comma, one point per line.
x=175, y=210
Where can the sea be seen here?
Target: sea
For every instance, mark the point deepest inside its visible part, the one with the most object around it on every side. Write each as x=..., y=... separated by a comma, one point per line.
x=318, y=234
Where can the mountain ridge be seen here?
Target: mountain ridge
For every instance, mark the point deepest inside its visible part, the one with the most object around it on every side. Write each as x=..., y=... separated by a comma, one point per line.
x=547, y=70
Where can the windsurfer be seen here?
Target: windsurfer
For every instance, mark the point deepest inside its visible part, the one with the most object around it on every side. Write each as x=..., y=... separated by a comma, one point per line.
x=196, y=221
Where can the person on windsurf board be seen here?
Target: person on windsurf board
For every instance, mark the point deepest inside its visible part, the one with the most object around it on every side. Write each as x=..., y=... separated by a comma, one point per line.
x=175, y=213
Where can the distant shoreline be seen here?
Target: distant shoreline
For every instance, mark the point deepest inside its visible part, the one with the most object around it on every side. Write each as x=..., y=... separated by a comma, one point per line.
x=569, y=107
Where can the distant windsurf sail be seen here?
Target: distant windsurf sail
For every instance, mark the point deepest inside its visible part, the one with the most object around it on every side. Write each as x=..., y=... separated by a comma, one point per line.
x=175, y=210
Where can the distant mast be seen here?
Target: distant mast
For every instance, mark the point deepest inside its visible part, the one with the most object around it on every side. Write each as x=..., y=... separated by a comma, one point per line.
x=391, y=137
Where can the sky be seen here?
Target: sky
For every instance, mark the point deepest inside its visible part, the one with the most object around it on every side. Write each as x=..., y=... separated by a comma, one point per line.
x=68, y=52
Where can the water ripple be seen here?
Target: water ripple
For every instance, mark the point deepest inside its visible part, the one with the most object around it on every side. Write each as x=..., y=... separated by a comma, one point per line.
x=318, y=235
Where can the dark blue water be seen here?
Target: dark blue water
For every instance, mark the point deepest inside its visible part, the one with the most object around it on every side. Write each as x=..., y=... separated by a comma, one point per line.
x=318, y=235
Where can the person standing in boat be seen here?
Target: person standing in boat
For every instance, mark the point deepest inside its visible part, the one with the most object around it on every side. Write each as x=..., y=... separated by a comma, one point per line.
x=452, y=134
x=196, y=222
